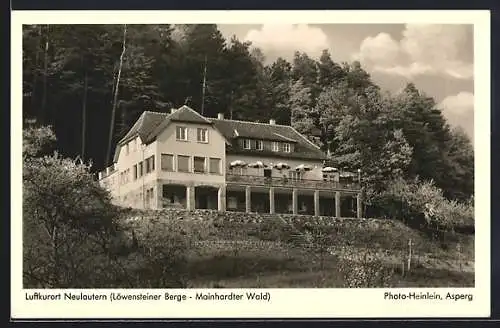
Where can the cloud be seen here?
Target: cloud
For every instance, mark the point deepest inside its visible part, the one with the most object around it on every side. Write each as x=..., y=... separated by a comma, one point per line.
x=284, y=40
x=422, y=50
x=459, y=103
x=381, y=49
x=459, y=111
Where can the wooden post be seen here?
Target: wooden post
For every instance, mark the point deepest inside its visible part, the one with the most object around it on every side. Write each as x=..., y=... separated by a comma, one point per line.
x=409, y=255
x=459, y=249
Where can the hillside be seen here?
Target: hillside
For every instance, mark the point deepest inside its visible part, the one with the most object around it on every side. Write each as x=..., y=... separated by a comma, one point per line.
x=255, y=250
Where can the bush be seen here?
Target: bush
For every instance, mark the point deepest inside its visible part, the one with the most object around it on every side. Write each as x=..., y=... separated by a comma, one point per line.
x=71, y=235
x=364, y=271
x=159, y=256
x=422, y=204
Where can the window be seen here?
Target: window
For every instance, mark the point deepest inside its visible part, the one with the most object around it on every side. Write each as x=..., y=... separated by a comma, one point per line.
x=199, y=164
x=167, y=162
x=140, y=169
x=150, y=164
x=127, y=148
x=276, y=146
x=286, y=147
x=259, y=145
x=215, y=165
x=181, y=133
x=246, y=143
x=183, y=163
x=135, y=172
x=202, y=135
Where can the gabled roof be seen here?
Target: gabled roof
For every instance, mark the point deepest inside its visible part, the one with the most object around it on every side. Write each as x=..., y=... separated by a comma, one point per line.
x=233, y=129
x=187, y=114
x=151, y=124
x=183, y=114
x=144, y=126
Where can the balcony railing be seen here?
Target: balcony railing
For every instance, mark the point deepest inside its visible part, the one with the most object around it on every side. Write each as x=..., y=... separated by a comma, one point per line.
x=287, y=182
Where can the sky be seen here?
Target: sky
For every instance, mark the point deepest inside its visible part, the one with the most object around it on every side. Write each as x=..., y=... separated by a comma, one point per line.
x=438, y=59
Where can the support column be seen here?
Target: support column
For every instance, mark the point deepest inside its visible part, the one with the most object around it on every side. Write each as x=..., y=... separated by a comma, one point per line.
x=271, y=200
x=190, y=198
x=359, y=205
x=159, y=195
x=295, y=201
x=337, y=204
x=248, y=199
x=316, y=203
x=221, y=196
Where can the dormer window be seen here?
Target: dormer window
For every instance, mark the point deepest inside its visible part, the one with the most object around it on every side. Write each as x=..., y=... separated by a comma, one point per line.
x=259, y=145
x=246, y=144
x=275, y=146
x=286, y=147
x=181, y=133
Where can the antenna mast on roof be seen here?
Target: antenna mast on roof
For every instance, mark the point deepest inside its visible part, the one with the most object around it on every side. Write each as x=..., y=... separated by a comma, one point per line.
x=204, y=85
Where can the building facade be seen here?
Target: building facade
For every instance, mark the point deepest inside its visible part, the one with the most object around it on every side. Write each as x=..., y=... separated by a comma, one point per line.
x=185, y=160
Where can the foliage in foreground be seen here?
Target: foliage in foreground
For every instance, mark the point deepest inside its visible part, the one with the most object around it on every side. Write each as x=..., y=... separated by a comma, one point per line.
x=71, y=236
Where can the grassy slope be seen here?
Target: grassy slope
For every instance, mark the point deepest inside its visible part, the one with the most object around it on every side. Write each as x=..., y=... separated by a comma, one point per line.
x=251, y=250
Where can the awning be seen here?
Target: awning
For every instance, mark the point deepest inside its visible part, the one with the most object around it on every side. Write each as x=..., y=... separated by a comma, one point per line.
x=257, y=164
x=329, y=169
x=303, y=167
x=281, y=165
x=237, y=163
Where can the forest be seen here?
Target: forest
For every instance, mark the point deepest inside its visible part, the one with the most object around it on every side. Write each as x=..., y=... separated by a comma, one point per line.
x=85, y=85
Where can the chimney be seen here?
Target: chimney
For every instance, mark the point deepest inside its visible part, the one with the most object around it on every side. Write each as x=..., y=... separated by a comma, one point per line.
x=220, y=116
x=172, y=110
x=272, y=121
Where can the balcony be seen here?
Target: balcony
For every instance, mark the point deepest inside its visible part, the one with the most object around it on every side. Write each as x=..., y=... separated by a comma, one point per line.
x=291, y=183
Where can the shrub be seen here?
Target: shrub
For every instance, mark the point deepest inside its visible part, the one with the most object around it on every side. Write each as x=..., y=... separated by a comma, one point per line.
x=159, y=258
x=68, y=221
x=423, y=204
x=364, y=271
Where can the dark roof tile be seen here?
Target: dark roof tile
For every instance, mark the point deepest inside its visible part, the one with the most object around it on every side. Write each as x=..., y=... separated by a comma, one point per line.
x=151, y=124
x=232, y=129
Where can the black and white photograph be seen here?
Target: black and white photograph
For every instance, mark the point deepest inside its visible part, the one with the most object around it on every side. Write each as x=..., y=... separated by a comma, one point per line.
x=221, y=156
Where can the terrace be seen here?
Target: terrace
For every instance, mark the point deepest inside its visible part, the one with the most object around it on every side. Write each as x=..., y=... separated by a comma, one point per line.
x=302, y=177
x=256, y=180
